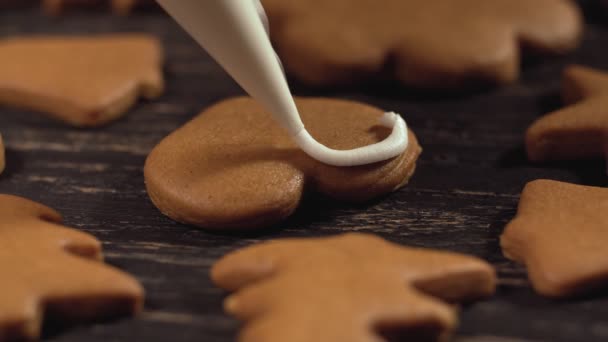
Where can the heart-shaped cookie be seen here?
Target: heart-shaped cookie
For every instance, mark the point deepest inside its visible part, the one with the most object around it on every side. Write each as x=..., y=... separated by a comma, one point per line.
x=234, y=167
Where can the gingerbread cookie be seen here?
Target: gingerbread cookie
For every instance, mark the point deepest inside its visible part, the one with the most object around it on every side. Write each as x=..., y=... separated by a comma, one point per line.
x=433, y=43
x=2, y=162
x=234, y=167
x=353, y=287
x=84, y=81
x=50, y=269
x=122, y=7
x=578, y=131
x=560, y=234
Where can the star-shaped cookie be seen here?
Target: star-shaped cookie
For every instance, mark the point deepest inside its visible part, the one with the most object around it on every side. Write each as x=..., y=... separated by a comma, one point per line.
x=429, y=44
x=579, y=130
x=52, y=270
x=234, y=167
x=560, y=233
x=83, y=81
x=353, y=287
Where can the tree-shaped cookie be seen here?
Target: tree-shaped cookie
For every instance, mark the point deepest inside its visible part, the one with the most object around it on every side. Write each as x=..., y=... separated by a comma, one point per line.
x=52, y=270
x=560, y=233
x=234, y=167
x=84, y=81
x=353, y=287
x=431, y=43
x=2, y=162
x=579, y=130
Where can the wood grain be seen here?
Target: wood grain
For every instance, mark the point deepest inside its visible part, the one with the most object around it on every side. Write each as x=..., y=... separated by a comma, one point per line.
x=465, y=190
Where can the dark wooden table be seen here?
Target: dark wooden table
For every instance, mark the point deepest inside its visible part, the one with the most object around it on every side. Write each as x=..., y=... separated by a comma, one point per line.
x=465, y=190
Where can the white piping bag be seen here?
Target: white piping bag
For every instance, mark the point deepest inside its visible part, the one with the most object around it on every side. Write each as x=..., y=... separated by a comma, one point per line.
x=235, y=34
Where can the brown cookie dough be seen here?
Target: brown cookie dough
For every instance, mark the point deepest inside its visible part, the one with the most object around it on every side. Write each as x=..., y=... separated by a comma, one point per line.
x=234, y=167
x=429, y=44
x=579, y=130
x=83, y=81
x=560, y=233
x=352, y=287
x=50, y=269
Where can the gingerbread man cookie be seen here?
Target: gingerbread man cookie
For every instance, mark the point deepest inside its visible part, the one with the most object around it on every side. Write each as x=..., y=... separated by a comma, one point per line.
x=560, y=234
x=50, y=269
x=234, y=167
x=430, y=44
x=579, y=130
x=83, y=81
x=353, y=287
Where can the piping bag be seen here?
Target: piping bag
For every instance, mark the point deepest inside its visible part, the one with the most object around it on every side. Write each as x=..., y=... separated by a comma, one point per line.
x=235, y=33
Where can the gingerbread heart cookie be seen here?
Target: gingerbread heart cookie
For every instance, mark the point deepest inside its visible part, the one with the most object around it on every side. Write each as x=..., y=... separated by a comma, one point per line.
x=560, y=234
x=579, y=130
x=122, y=7
x=234, y=167
x=2, y=162
x=52, y=270
x=83, y=81
x=430, y=44
x=353, y=287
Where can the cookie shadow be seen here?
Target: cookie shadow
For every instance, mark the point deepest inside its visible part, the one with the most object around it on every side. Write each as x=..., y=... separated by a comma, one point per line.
x=549, y=103
x=594, y=12
x=592, y=172
x=396, y=91
x=514, y=158
x=528, y=297
x=316, y=210
x=14, y=164
x=385, y=86
x=53, y=326
x=596, y=294
x=319, y=208
x=589, y=172
x=409, y=331
x=390, y=89
x=493, y=250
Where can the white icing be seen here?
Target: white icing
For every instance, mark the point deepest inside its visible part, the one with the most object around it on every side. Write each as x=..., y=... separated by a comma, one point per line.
x=394, y=145
x=235, y=34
